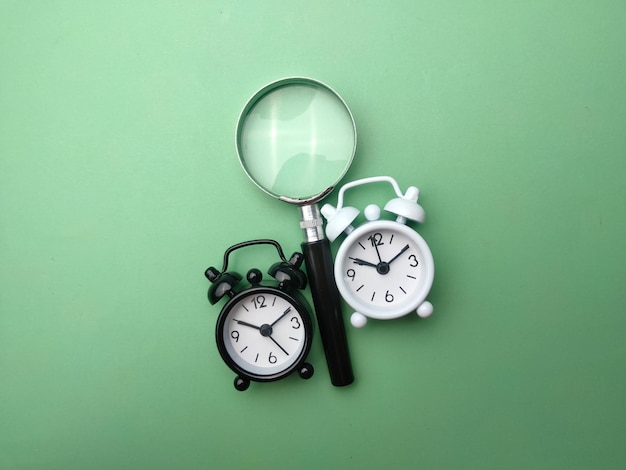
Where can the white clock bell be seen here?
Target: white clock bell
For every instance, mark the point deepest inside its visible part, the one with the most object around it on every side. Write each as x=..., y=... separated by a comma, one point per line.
x=383, y=269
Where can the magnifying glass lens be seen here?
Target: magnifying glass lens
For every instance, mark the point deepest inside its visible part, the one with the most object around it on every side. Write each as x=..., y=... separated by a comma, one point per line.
x=296, y=140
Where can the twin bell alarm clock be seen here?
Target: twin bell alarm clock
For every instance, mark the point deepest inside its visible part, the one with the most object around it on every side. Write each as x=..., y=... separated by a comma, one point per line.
x=264, y=330
x=383, y=268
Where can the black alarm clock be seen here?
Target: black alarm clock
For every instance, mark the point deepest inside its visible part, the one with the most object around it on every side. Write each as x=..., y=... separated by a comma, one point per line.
x=264, y=331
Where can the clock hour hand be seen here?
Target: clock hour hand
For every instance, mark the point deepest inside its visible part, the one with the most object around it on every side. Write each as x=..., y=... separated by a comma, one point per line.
x=362, y=262
x=248, y=324
x=406, y=247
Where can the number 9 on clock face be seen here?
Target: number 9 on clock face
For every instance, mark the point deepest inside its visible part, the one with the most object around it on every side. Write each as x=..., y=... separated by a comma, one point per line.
x=264, y=333
x=384, y=269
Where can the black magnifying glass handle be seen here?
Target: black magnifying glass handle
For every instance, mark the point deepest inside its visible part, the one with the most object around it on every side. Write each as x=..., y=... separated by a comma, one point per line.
x=326, y=299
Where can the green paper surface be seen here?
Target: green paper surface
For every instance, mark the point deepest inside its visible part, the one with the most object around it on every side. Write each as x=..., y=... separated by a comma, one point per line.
x=120, y=185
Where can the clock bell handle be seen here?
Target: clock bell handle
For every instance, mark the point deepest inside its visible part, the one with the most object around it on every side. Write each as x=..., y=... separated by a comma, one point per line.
x=263, y=241
x=326, y=299
x=363, y=181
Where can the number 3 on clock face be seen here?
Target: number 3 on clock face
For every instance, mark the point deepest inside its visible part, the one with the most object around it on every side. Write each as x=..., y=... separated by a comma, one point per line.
x=384, y=269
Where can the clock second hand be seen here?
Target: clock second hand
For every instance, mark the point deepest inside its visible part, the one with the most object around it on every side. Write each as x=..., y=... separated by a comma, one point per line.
x=276, y=321
x=276, y=343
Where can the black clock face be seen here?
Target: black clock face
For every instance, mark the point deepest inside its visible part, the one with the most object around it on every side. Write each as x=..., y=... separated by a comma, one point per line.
x=264, y=333
x=384, y=269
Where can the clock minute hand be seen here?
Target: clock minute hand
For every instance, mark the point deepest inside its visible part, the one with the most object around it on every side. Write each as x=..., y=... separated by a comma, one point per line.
x=281, y=317
x=406, y=247
x=375, y=245
x=362, y=262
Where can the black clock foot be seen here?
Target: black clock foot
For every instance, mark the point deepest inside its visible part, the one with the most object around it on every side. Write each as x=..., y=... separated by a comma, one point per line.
x=306, y=371
x=241, y=384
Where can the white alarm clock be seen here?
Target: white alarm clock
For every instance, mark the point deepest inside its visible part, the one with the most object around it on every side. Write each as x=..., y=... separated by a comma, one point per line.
x=383, y=269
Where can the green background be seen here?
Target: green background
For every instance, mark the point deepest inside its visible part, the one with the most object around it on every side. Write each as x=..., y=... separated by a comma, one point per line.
x=119, y=185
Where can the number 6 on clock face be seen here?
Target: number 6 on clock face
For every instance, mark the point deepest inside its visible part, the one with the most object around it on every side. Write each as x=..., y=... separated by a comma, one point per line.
x=384, y=269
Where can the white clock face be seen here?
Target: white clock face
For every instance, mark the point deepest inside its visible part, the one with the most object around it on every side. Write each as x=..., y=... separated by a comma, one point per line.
x=264, y=333
x=384, y=269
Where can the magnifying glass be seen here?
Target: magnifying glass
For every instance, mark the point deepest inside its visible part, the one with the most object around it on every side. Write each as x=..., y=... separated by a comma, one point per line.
x=295, y=140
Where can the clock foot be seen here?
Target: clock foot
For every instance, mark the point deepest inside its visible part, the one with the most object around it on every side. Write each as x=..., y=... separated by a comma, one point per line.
x=358, y=320
x=241, y=383
x=306, y=371
x=425, y=310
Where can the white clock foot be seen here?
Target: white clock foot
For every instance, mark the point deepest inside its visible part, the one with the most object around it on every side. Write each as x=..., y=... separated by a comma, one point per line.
x=358, y=320
x=425, y=310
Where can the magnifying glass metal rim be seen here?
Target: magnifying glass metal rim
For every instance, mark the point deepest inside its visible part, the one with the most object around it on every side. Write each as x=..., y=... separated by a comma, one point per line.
x=258, y=96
